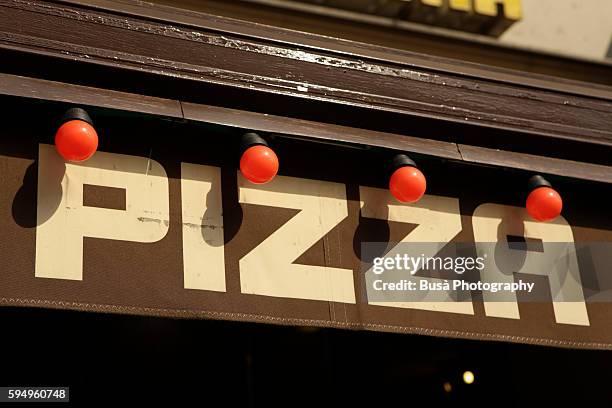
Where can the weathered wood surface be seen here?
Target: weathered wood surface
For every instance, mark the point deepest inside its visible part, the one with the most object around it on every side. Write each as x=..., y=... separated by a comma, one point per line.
x=255, y=58
x=19, y=86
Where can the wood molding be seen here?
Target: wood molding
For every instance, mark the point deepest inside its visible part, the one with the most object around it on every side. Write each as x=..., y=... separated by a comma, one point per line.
x=228, y=53
x=185, y=112
x=352, y=48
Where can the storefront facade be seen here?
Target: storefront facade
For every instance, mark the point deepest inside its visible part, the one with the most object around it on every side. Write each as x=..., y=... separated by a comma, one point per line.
x=161, y=222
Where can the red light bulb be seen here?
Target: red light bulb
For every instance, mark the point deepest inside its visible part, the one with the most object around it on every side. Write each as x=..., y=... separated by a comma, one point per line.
x=407, y=184
x=544, y=204
x=76, y=139
x=259, y=164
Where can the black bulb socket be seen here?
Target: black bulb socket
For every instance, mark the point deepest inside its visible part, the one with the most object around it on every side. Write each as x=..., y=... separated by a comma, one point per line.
x=401, y=160
x=76, y=114
x=251, y=139
x=537, y=181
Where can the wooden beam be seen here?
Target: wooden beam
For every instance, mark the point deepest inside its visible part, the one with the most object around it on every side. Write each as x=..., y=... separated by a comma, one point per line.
x=316, y=131
x=537, y=164
x=240, y=55
x=35, y=88
x=32, y=88
x=282, y=29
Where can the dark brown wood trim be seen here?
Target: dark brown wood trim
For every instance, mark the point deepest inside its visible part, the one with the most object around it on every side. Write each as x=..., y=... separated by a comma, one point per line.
x=349, y=48
x=323, y=132
x=538, y=164
x=33, y=88
x=314, y=72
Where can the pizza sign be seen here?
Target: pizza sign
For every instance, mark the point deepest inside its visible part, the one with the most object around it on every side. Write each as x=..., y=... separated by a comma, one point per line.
x=182, y=233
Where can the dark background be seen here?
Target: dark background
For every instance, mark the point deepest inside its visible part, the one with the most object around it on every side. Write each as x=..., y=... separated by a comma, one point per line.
x=115, y=359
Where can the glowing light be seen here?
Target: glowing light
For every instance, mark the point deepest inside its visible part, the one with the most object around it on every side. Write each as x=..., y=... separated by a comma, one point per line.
x=447, y=387
x=468, y=377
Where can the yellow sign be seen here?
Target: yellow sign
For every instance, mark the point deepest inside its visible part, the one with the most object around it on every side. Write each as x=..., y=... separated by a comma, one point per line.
x=488, y=17
x=511, y=9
